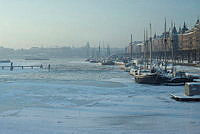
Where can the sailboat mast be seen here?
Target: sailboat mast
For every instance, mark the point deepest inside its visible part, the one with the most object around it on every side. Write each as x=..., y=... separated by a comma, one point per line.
x=165, y=44
x=99, y=49
x=108, y=50
x=144, y=48
x=172, y=45
x=150, y=47
x=131, y=46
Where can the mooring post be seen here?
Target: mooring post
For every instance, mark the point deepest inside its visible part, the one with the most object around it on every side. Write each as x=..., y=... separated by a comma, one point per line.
x=11, y=66
x=22, y=67
x=41, y=66
x=49, y=67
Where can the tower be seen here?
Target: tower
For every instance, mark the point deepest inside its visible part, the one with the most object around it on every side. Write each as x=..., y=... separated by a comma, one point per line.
x=184, y=29
x=174, y=38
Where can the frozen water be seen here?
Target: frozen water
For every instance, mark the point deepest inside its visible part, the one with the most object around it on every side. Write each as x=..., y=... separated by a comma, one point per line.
x=82, y=98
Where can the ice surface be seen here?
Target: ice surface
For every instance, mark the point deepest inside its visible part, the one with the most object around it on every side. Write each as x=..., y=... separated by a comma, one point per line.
x=76, y=97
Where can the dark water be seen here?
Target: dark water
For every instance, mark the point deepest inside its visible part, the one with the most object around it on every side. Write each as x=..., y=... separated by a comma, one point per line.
x=76, y=97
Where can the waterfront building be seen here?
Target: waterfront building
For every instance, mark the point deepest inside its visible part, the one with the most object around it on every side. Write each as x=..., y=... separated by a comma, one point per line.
x=190, y=39
x=182, y=44
x=184, y=39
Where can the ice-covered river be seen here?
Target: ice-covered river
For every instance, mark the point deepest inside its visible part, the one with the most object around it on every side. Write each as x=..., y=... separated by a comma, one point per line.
x=77, y=97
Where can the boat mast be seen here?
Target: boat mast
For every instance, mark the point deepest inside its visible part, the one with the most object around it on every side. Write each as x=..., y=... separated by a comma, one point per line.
x=172, y=45
x=99, y=49
x=144, y=48
x=131, y=46
x=165, y=44
x=150, y=47
x=146, y=44
x=108, y=50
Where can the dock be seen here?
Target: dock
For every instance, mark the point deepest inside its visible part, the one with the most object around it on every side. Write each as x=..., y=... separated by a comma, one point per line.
x=20, y=67
x=191, y=93
x=11, y=66
x=184, y=98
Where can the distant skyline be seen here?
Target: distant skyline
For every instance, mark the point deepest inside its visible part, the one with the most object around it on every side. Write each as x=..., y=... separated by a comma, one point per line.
x=50, y=23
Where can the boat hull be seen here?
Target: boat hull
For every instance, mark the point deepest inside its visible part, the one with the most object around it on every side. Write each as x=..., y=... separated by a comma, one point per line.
x=150, y=79
x=180, y=80
x=108, y=63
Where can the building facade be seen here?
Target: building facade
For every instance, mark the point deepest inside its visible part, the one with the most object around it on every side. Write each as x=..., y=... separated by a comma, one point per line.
x=182, y=41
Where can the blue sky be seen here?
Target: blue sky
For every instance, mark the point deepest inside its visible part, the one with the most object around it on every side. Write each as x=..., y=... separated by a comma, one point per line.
x=49, y=23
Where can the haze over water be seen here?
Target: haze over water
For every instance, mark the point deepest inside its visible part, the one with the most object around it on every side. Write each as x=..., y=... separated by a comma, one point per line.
x=83, y=98
x=50, y=23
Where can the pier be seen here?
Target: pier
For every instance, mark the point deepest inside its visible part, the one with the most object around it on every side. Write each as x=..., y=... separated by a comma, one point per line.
x=11, y=66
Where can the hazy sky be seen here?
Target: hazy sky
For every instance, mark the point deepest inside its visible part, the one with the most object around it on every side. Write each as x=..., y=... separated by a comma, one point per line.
x=26, y=23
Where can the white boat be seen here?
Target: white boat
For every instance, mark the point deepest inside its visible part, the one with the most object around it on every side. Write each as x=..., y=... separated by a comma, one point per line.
x=134, y=70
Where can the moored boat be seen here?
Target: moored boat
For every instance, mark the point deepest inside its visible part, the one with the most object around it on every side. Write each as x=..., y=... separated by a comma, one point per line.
x=108, y=62
x=152, y=78
x=180, y=77
x=93, y=60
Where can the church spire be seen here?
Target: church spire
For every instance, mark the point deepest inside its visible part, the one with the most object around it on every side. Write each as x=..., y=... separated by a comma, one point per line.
x=174, y=31
x=184, y=29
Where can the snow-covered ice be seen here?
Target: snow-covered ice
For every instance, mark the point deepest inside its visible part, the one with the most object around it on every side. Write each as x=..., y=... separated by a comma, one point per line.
x=76, y=97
